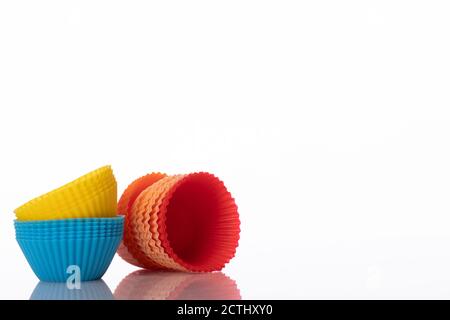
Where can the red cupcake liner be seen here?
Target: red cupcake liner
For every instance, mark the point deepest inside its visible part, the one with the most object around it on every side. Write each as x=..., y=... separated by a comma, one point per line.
x=199, y=223
x=183, y=222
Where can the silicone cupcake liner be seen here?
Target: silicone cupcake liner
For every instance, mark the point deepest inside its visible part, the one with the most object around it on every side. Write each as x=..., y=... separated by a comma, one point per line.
x=187, y=223
x=211, y=223
x=84, y=186
x=144, y=220
x=95, y=190
x=145, y=285
x=70, y=221
x=212, y=252
x=100, y=204
x=134, y=189
x=69, y=229
x=128, y=250
x=63, y=233
x=64, y=236
x=91, y=290
x=50, y=259
x=200, y=223
x=64, y=223
x=81, y=225
x=159, y=253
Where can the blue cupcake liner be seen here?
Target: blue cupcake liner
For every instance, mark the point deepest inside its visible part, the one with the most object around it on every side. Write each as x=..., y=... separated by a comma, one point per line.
x=72, y=237
x=90, y=290
x=68, y=230
x=50, y=259
x=69, y=227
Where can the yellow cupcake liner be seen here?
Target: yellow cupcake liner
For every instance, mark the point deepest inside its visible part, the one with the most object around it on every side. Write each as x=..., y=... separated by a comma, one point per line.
x=92, y=195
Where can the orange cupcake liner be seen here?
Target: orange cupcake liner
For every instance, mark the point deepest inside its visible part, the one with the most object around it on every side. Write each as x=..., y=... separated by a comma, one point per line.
x=145, y=219
x=128, y=250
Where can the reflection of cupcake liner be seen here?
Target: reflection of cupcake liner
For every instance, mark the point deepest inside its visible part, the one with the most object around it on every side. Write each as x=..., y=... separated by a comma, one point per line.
x=186, y=222
x=92, y=195
x=128, y=249
x=145, y=285
x=91, y=290
x=92, y=251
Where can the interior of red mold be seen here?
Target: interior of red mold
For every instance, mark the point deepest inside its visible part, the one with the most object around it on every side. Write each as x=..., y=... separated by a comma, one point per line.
x=195, y=215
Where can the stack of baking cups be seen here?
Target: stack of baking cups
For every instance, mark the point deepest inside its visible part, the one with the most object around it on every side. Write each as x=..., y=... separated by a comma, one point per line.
x=72, y=229
x=184, y=222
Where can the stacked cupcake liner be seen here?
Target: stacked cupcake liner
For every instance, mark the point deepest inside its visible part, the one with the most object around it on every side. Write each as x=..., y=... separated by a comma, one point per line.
x=74, y=225
x=150, y=285
x=181, y=222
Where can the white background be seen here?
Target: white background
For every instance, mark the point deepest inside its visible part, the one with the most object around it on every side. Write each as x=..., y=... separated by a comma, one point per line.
x=327, y=120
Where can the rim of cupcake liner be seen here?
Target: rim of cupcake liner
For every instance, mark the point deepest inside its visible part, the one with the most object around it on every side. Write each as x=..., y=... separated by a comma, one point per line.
x=219, y=261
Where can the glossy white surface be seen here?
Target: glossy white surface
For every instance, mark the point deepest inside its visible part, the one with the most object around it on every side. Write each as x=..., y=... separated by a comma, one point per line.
x=327, y=120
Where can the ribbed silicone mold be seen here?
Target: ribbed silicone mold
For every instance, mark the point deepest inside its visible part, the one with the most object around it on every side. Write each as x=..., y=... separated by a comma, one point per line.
x=90, y=290
x=81, y=223
x=74, y=228
x=128, y=249
x=182, y=222
x=199, y=223
x=50, y=259
x=92, y=195
x=146, y=285
x=144, y=223
x=91, y=252
x=70, y=235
